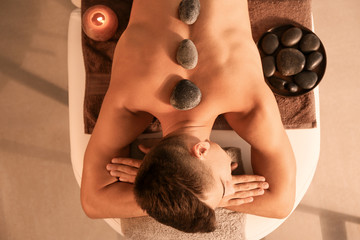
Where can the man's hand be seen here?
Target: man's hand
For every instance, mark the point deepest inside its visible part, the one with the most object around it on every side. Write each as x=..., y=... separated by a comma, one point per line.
x=242, y=189
x=126, y=169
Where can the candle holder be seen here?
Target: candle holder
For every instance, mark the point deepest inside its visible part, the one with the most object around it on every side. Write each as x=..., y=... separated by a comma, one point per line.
x=100, y=23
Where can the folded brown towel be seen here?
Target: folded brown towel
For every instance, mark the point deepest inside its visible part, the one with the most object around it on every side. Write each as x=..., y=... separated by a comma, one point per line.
x=98, y=59
x=296, y=112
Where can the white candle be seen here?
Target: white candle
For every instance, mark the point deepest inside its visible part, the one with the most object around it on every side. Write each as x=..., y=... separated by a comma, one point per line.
x=100, y=23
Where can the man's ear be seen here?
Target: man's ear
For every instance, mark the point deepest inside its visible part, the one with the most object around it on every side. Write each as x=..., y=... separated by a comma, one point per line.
x=201, y=149
x=144, y=148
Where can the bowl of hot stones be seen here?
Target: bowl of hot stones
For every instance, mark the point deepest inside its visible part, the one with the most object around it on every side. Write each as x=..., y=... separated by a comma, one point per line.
x=293, y=60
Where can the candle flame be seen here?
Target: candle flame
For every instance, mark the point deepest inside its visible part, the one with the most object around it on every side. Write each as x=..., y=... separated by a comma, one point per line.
x=100, y=19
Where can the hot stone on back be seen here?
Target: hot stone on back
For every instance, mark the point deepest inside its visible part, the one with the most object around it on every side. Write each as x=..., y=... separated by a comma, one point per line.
x=185, y=96
x=189, y=11
x=187, y=55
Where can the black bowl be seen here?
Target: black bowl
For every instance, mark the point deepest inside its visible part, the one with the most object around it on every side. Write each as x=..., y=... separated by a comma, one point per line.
x=289, y=80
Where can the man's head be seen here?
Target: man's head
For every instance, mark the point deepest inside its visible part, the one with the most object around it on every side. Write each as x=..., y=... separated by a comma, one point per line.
x=181, y=181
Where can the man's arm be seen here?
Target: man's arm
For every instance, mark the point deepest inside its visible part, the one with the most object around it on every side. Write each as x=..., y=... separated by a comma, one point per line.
x=271, y=157
x=103, y=196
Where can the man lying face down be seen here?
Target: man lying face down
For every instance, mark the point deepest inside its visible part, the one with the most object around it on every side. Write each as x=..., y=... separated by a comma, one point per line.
x=186, y=176
x=176, y=186
x=182, y=181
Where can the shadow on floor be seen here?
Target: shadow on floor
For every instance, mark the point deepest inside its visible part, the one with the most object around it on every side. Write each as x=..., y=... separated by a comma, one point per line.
x=37, y=83
x=332, y=223
x=34, y=151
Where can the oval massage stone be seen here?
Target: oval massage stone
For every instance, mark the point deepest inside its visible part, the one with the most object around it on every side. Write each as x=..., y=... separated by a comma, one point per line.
x=291, y=36
x=277, y=83
x=313, y=60
x=187, y=55
x=185, y=96
x=290, y=61
x=270, y=43
x=291, y=87
x=189, y=11
x=268, y=65
x=310, y=42
x=306, y=79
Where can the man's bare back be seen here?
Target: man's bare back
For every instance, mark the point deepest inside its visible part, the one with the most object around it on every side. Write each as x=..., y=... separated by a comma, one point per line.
x=230, y=77
x=145, y=69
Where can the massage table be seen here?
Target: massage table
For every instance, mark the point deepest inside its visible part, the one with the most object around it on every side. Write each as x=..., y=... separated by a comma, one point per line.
x=305, y=142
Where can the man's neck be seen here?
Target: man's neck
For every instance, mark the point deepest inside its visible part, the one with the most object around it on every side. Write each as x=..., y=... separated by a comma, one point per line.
x=161, y=8
x=201, y=132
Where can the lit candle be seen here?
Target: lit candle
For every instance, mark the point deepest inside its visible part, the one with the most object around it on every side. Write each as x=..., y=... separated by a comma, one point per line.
x=100, y=23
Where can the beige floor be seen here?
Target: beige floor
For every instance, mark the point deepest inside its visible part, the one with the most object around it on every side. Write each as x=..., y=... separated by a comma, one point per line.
x=39, y=195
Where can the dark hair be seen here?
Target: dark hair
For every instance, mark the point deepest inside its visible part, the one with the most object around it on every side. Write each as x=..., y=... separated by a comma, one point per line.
x=170, y=184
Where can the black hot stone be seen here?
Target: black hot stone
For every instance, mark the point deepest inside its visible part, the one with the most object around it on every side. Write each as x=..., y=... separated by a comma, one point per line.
x=277, y=83
x=187, y=55
x=189, y=11
x=306, y=79
x=291, y=36
x=310, y=42
x=268, y=65
x=290, y=61
x=185, y=96
x=291, y=87
x=270, y=43
x=313, y=60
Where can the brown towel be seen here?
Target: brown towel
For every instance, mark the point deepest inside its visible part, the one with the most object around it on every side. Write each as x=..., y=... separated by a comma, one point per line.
x=98, y=60
x=296, y=112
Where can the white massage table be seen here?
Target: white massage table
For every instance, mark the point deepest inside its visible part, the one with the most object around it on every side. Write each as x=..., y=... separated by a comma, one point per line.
x=305, y=142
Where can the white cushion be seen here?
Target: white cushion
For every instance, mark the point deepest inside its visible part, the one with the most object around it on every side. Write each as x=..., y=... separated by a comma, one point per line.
x=77, y=3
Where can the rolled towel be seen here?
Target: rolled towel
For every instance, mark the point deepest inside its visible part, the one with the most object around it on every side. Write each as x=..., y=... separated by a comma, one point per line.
x=231, y=226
